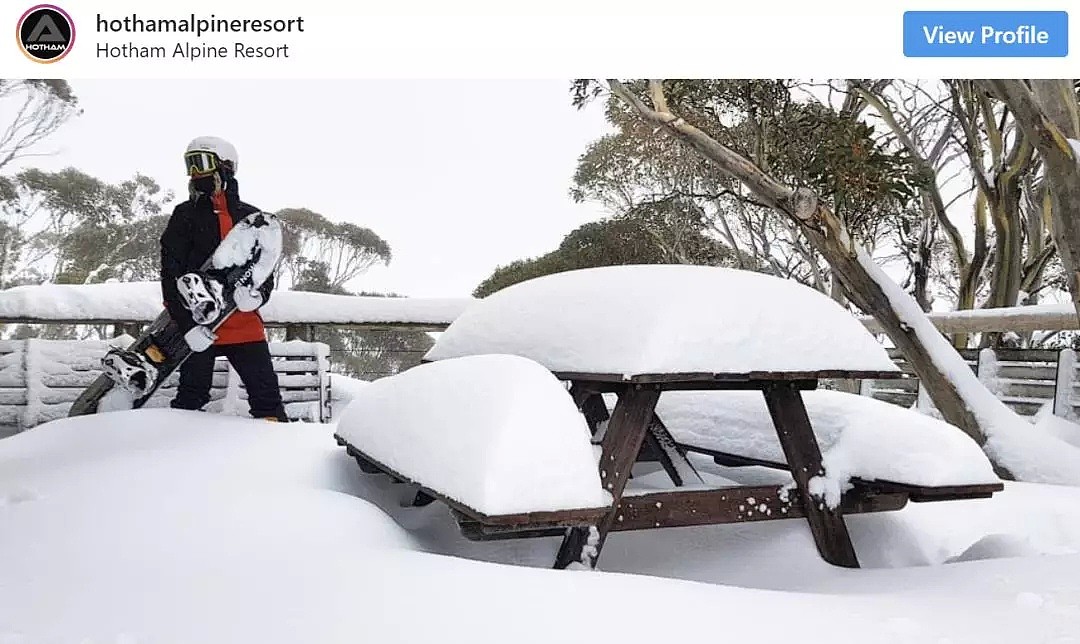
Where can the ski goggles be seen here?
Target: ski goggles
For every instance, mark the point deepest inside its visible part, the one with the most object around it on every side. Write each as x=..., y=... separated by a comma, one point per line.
x=201, y=163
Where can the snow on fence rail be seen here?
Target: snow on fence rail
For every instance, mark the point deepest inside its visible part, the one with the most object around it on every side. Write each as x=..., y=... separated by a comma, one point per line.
x=138, y=302
x=39, y=379
x=1019, y=319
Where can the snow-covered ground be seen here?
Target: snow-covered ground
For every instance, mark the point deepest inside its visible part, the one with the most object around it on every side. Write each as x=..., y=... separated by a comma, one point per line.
x=170, y=526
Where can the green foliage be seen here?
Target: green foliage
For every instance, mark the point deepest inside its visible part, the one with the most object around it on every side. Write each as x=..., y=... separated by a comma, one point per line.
x=664, y=232
x=72, y=195
x=54, y=88
x=70, y=227
x=361, y=353
x=126, y=251
x=345, y=250
x=523, y=270
x=799, y=142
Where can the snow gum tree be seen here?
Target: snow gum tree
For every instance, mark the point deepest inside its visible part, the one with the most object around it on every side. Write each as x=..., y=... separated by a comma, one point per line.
x=807, y=206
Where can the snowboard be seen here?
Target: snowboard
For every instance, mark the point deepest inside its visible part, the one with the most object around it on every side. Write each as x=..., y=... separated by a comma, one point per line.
x=242, y=263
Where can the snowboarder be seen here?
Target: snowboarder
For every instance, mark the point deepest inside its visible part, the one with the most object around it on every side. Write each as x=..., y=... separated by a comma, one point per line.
x=194, y=231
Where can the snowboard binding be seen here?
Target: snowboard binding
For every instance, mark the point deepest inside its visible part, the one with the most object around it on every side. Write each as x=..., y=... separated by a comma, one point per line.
x=132, y=371
x=203, y=296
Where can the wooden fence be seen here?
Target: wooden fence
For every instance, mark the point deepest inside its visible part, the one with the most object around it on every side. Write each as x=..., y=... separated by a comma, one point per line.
x=39, y=379
x=1024, y=379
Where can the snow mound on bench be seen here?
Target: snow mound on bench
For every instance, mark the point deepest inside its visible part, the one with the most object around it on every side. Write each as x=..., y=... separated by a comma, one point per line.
x=665, y=319
x=498, y=433
x=860, y=437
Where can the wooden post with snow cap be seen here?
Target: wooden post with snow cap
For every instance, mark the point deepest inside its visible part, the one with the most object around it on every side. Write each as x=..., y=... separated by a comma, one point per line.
x=1064, y=384
x=987, y=369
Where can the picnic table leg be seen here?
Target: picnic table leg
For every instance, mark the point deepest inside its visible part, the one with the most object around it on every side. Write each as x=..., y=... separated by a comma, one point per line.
x=658, y=441
x=619, y=450
x=592, y=406
x=804, y=456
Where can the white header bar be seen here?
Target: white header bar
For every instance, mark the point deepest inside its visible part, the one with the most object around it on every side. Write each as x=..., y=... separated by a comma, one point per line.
x=498, y=39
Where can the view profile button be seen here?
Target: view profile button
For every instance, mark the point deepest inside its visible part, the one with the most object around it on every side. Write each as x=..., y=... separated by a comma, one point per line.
x=986, y=34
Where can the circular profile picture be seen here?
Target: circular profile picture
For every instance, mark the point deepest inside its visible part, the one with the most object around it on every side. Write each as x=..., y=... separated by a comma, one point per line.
x=45, y=33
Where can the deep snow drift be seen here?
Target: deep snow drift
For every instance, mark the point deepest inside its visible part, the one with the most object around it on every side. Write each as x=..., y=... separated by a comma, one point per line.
x=169, y=526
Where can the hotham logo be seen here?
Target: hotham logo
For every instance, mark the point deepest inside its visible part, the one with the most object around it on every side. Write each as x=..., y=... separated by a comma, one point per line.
x=45, y=33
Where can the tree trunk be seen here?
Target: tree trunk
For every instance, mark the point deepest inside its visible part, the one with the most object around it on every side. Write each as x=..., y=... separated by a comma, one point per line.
x=864, y=283
x=1048, y=114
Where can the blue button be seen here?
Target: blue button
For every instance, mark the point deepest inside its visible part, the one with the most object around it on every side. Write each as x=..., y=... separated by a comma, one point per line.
x=986, y=34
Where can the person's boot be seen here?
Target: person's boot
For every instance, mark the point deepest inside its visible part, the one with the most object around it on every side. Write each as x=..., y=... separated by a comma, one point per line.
x=279, y=417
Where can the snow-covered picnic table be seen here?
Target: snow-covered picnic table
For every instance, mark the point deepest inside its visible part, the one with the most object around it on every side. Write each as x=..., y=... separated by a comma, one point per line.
x=633, y=333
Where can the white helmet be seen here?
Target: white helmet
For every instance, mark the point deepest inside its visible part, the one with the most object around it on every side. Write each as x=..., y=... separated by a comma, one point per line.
x=196, y=156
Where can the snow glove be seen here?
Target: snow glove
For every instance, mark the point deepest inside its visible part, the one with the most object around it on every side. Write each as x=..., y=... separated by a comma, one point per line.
x=248, y=300
x=200, y=338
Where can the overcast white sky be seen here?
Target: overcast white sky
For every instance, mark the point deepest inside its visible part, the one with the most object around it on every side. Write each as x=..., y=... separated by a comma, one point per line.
x=458, y=176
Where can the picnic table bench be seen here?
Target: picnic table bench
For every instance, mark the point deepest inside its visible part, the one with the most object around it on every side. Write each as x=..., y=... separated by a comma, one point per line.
x=536, y=324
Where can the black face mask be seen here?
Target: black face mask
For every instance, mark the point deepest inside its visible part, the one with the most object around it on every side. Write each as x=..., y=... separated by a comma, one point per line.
x=204, y=185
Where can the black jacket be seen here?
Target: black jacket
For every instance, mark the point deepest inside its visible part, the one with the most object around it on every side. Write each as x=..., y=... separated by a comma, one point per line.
x=190, y=238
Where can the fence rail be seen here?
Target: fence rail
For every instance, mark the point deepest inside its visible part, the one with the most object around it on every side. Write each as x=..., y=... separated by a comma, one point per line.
x=1026, y=380
x=1019, y=319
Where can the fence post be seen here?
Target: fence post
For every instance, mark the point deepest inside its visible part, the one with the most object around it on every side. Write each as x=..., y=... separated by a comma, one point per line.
x=986, y=369
x=31, y=371
x=322, y=357
x=1063, y=384
x=923, y=402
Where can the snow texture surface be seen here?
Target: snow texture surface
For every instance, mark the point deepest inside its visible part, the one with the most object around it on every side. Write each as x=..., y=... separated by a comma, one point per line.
x=342, y=391
x=243, y=531
x=860, y=437
x=665, y=319
x=499, y=433
x=1031, y=456
x=141, y=301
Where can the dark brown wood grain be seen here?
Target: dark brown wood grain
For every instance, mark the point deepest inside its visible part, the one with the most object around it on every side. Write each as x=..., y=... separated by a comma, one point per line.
x=801, y=449
x=669, y=454
x=916, y=493
x=619, y=450
x=733, y=505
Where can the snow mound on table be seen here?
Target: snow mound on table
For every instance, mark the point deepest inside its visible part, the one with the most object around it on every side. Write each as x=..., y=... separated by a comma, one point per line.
x=497, y=433
x=860, y=437
x=665, y=318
